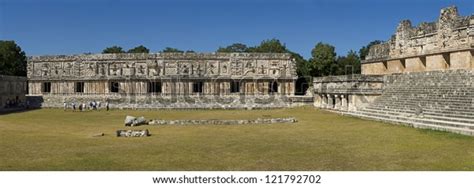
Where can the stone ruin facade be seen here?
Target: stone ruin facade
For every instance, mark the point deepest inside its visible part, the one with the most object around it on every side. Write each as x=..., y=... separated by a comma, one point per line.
x=12, y=92
x=422, y=77
x=346, y=92
x=164, y=80
x=446, y=44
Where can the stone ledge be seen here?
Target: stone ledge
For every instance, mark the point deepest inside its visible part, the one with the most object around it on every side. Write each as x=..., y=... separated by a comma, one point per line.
x=223, y=122
x=436, y=52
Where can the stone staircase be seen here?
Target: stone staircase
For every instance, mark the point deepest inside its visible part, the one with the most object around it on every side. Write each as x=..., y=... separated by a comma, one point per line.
x=439, y=100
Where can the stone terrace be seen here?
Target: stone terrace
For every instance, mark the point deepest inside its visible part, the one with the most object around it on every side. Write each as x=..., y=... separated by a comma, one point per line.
x=439, y=100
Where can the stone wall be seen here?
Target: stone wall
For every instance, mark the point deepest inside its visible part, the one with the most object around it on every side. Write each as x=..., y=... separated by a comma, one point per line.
x=161, y=65
x=129, y=80
x=13, y=91
x=442, y=45
x=347, y=92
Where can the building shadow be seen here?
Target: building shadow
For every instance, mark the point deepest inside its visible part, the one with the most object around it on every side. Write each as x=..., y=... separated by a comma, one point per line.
x=31, y=103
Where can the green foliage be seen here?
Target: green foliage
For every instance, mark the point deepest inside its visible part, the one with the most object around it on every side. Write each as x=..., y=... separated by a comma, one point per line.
x=234, y=48
x=12, y=59
x=266, y=46
x=323, y=59
x=349, y=64
x=365, y=50
x=139, y=49
x=171, y=50
x=270, y=46
x=113, y=49
x=302, y=65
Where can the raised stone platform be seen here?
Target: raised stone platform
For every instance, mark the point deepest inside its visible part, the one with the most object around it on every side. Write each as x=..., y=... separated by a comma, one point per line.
x=223, y=122
x=439, y=100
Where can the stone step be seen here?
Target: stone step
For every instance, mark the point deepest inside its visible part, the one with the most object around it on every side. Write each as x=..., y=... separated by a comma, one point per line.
x=428, y=93
x=441, y=123
x=459, y=107
x=453, y=115
x=435, y=110
x=426, y=101
x=434, y=116
x=463, y=131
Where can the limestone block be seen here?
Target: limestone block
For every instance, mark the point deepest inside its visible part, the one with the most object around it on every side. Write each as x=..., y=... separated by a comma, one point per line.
x=377, y=68
x=133, y=133
x=416, y=64
x=437, y=62
x=134, y=121
x=461, y=60
x=396, y=66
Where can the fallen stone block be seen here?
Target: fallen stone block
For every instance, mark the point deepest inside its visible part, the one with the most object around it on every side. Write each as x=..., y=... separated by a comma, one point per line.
x=133, y=133
x=134, y=121
x=129, y=120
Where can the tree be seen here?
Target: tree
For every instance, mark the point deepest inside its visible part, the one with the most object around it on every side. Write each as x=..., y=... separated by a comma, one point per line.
x=365, y=50
x=349, y=64
x=113, y=49
x=234, y=48
x=270, y=46
x=323, y=59
x=303, y=71
x=139, y=49
x=172, y=50
x=12, y=59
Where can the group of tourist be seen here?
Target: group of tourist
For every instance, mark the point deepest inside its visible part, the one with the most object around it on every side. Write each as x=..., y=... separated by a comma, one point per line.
x=93, y=105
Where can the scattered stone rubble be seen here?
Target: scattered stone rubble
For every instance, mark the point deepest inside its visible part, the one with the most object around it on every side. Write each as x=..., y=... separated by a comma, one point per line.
x=223, y=122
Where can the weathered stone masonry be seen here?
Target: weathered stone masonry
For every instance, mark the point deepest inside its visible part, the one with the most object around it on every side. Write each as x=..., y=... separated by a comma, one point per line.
x=422, y=77
x=347, y=92
x=447, y=44
x=13, y=89
x=150, y=78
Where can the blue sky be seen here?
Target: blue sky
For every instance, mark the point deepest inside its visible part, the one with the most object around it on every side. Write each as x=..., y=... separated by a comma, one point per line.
x=73, y=26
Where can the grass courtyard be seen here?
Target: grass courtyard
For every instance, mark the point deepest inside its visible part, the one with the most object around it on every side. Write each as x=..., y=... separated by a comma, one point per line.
x=51, y=139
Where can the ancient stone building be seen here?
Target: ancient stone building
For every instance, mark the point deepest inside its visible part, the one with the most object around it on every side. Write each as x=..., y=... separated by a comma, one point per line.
x=346, y=92
x=12, y=91
x=422, y=77
x=174, y=80
x=446, y=44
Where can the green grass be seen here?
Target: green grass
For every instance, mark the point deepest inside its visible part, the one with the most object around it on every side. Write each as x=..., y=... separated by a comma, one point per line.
x=51, y=139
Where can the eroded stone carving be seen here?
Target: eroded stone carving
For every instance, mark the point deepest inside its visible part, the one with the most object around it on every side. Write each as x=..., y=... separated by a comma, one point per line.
x=155, y=65
x=451, y=31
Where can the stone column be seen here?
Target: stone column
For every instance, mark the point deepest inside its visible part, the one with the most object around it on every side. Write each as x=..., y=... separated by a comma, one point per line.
x=343, y=102
x=323, y=101
x=337, y=102
x=330, y=102
x=317, y=101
